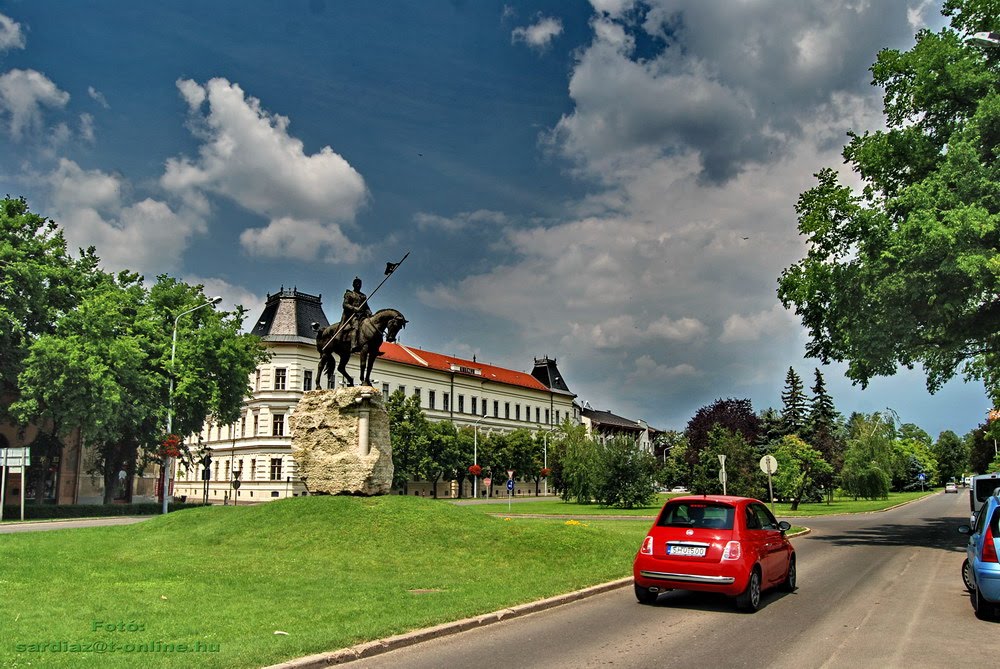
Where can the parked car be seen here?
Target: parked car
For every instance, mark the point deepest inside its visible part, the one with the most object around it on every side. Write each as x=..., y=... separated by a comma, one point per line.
x=715, y=543
x=981, y=569
x=951, y=487
x=679, y=488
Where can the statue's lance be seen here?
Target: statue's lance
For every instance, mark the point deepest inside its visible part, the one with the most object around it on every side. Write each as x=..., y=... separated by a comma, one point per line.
x=390, y=267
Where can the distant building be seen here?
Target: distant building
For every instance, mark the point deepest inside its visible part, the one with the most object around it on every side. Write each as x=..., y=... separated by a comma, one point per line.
x=606, y=425
x=466, y=392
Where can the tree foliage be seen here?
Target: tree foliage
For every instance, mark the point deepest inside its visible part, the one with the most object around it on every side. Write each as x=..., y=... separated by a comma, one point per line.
x=800, y=467
x=743, y=474
x=626, y=474
x=795, y=406
x=906, y=271
x=870, y=457
x=737, y=416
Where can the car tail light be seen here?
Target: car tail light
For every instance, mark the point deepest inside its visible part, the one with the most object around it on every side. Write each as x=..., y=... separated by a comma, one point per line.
x=989, y=549
x=647, y=546
x=732, y=551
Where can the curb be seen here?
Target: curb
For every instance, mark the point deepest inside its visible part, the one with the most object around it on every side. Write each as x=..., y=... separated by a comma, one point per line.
x=379, y=646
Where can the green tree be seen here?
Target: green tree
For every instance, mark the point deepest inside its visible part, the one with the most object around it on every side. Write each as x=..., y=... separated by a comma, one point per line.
x=906, y=271
x=674, y=468
x=443, y=455
x=823, y=431
x=580, y=465
x=952, y=456
x=737, y=416
x=626, y=474
x=743, y=474
x=106, y=367
x=870, y=458
x=39, y=282
x=409, y=435
x=794, y=412
x=800, y=468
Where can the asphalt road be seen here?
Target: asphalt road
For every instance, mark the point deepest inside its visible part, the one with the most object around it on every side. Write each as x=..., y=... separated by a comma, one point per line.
x=69, y=523
x=875, y=590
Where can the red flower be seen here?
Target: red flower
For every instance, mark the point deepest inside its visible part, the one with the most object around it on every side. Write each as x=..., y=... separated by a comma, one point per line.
x=475, y=470
x=171, y=446
x=546, y=471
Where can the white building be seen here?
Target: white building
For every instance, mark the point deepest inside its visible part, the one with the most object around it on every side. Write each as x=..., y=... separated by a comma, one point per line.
x=466, y=392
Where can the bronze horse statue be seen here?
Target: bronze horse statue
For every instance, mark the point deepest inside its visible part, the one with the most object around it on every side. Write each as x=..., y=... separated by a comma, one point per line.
x=387, y=321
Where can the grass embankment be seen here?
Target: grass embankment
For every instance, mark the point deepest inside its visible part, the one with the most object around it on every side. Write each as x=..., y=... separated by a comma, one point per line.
x=328, y=571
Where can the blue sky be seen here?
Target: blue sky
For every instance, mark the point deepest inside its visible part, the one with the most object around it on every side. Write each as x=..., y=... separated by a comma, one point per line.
x=608, y=183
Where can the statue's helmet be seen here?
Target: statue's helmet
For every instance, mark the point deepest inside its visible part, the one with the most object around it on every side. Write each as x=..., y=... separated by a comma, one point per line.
x=357, y=283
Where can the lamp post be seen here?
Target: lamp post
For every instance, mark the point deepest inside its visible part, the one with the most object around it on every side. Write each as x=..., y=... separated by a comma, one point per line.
x=167, y=460
x=475, y=454
x=545, y=458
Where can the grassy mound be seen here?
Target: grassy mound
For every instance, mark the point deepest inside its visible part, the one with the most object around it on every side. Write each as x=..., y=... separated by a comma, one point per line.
x=327, y=571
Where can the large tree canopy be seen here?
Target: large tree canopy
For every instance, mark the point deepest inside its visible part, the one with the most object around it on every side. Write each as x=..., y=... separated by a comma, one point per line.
x=906, y=272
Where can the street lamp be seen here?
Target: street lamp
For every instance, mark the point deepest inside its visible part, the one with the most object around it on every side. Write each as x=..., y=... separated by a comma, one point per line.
x=545, y=458
x=170, y=403
x=475, y=454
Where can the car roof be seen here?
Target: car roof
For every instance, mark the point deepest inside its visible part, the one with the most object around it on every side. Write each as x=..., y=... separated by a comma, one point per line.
x=723, y=499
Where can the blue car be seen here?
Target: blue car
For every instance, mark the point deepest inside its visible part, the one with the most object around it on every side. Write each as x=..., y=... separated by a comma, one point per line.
x=981, y=569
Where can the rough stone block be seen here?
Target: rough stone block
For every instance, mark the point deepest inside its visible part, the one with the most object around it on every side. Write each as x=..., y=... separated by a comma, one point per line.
x=329, y=431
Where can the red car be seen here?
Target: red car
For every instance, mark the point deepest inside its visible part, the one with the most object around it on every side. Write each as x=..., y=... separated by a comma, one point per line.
x=715, y=543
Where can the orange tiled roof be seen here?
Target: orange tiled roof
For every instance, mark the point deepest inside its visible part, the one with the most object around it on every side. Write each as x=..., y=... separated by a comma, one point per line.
x=407, y=355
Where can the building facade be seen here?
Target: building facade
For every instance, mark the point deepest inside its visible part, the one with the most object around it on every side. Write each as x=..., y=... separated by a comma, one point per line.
x=256, y=450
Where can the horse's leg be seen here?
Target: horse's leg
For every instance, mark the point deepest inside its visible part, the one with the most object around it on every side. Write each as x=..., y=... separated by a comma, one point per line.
x=342, y=368
x=319, y=372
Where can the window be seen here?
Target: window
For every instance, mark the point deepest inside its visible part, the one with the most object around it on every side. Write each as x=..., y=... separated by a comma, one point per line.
x=461, y=404
x=385, y=391
x=517, y=412
x=307, y=380
x=557, y=416
x=243, y=426
x=278, y=425
x=417, y=394
x=496, y=409
x=256, y=423
x=547, y=417
x=275, y=469
x=475, y=405
x=253, y=470
x=402, y=390
x=430, y=399
x=538, y=415
x=446, y=406
x=280, y=374
x=506, y=410
x=256, y=383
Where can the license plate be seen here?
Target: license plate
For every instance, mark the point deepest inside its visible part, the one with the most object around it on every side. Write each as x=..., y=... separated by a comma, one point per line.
x=689, y=551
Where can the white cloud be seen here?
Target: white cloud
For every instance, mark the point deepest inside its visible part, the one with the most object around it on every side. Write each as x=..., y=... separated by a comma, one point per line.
x=461, y=221
x=754, y=327
x=146, y=236
x=249, y=157
x=11, y=35
x=98, y=97
x=87, y=127
x=538, y=35
x=23, y=95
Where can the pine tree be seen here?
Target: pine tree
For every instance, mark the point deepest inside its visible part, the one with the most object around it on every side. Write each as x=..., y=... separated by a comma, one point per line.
x=821, y=432
x=793, y=397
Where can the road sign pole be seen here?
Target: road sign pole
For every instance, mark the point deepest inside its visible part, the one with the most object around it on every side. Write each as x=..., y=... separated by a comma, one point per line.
x=3, y=482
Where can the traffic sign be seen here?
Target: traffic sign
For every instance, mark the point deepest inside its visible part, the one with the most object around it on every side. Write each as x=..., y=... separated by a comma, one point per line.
x=510, y=485
x=722, y=460
x=487, y=481
x=510, y=473
x=921, y=477
x=768, y=464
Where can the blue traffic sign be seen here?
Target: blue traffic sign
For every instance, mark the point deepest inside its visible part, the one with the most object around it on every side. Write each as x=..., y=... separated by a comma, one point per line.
x=921, y=477
x=510, y=485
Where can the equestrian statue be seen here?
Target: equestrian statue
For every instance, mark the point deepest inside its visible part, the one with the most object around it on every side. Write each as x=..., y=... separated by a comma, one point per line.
x=359, y=331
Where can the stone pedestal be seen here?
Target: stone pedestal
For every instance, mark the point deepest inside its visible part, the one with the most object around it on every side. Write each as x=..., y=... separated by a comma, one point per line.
x=340, y=440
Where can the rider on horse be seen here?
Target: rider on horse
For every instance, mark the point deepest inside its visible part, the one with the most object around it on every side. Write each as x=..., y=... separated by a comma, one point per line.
x=356, y=309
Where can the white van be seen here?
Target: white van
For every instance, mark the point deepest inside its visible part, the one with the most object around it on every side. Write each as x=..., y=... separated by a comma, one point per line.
x=980, y=489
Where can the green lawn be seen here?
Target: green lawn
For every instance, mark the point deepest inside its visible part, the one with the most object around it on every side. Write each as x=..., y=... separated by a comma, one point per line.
x=328, y=571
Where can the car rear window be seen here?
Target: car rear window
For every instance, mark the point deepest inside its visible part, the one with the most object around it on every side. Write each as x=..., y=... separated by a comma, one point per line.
x=697, y=514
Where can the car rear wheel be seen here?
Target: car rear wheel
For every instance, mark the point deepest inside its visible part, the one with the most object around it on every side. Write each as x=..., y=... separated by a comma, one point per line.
x=984, y=610
x=644, y=595
x=749, y=599
x=789, y=583
x=967, y=576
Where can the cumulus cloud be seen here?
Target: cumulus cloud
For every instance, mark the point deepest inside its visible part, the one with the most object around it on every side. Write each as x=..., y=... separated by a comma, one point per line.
x=757, y=326
x=248, y=156
x=24, y=95
x=538, y=35
x=93, y=208
x=732, y=85
x=11, y=35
